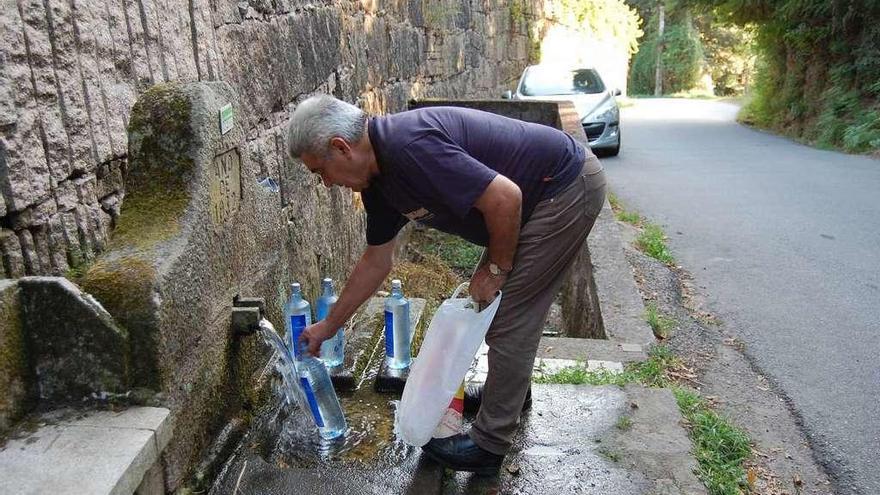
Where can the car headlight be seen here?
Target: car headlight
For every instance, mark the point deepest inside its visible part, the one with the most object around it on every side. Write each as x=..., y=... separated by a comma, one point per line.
x=606, y=112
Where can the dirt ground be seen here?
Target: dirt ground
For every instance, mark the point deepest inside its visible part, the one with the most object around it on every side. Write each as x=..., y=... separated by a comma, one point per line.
x=716, y=366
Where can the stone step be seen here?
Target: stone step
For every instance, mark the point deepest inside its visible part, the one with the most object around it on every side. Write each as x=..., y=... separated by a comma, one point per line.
x=361, y=336
x=94, y=452
x=390, y=380
x=543, y=365
x=590, y=349
x=364, y=340
x=575, y=440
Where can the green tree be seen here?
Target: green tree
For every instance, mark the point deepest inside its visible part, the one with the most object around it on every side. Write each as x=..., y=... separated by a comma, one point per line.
x=818, y=69
x=682, y=56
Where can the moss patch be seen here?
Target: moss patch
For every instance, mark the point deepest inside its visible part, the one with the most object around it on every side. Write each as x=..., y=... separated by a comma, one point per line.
x=150, y=218
x=161, y=143
x=124, y=286
x=16, y=393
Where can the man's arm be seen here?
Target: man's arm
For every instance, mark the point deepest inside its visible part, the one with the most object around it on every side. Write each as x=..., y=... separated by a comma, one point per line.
x=501, y=206
x=365, y=279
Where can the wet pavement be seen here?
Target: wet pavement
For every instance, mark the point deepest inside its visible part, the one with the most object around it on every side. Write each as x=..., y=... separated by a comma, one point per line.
x=576, y=439
x=573, y=440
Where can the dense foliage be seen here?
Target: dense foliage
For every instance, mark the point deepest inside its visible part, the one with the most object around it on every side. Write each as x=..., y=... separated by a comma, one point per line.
x=604, y=18
x=700, y=51
x=818, y=70
x=682, y=57
x=729, y=55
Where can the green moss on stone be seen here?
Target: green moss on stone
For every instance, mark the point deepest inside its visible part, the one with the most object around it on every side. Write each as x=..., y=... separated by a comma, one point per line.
x=149, y=218
x=124, y=286
x=78, y=265
x=15, y=380
x=161, y=144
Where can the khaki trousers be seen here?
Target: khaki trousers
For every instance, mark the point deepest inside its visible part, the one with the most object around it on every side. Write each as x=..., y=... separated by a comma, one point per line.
x=548, y=244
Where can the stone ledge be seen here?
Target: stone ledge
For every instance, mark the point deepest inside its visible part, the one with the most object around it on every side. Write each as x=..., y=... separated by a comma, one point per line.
x=101, y=452
x=542, y=365
x=590, y=349
x=623, y=312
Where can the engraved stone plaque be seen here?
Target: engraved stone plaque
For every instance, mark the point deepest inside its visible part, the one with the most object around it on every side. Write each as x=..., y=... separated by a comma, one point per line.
x=225, y=185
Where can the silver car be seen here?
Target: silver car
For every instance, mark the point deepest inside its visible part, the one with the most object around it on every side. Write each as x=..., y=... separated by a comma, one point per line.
x=595, y=104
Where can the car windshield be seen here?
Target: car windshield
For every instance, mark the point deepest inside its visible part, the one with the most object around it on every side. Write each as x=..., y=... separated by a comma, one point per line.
x=541, y=82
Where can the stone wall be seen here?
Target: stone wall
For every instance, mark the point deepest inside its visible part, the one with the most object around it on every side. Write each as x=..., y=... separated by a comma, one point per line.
x=70, y=72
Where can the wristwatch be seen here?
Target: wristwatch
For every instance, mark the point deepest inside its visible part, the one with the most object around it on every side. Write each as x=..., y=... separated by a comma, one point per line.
x=496, y=270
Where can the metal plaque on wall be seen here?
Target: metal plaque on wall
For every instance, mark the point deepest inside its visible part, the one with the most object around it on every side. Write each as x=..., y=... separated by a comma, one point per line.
x=225, y=189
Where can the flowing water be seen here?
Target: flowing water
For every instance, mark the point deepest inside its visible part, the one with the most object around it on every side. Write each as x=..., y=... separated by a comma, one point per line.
x=286, y=436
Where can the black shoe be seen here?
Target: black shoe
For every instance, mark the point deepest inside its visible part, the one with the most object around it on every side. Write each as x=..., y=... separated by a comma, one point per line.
x=460, y=453
x=473, y=396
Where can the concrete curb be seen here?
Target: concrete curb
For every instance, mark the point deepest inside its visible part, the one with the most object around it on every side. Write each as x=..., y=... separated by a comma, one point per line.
x=121, y=449
x=623, y=311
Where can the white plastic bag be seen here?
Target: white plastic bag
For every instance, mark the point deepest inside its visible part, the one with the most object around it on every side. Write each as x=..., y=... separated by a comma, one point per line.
x=451, y=341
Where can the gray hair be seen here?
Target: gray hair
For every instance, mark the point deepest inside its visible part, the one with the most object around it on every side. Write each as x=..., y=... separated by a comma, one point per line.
x=321, y=118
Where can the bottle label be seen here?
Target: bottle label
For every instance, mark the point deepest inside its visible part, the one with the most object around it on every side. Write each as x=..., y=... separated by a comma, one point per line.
x=389, y=334
x=313, y=403
x=298, y=324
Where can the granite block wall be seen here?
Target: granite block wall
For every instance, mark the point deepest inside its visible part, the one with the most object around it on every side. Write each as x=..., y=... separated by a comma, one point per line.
x=70, y=71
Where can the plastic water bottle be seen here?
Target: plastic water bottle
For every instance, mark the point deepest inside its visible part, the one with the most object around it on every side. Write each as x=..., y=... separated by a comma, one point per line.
x=398, y=334
x=320, y=396
x=297, y=316
x=332, y=349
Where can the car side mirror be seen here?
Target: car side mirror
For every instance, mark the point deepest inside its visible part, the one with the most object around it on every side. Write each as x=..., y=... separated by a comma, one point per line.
x=507, y=95
x=616, y=92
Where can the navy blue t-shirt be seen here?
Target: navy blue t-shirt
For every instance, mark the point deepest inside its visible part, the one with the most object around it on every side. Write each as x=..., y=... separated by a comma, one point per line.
x=435, y=162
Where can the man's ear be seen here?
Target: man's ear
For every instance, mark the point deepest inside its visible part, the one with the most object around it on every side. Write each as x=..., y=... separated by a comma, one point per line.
x=341, y=145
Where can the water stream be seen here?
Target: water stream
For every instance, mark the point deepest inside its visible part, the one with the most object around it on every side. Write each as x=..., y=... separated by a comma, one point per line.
x=285, y=436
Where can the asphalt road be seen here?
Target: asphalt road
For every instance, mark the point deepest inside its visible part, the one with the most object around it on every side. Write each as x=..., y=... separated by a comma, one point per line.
x=784, y=239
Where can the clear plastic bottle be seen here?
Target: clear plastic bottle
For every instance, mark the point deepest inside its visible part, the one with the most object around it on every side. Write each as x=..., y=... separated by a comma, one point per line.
x=297, y=316
x=398, y=334
x=332, y=349
x=320, y=396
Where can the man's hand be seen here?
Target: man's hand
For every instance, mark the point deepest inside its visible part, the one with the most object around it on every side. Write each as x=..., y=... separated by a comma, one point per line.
x=371, y=269
x=484, y=285
x=315, y=334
